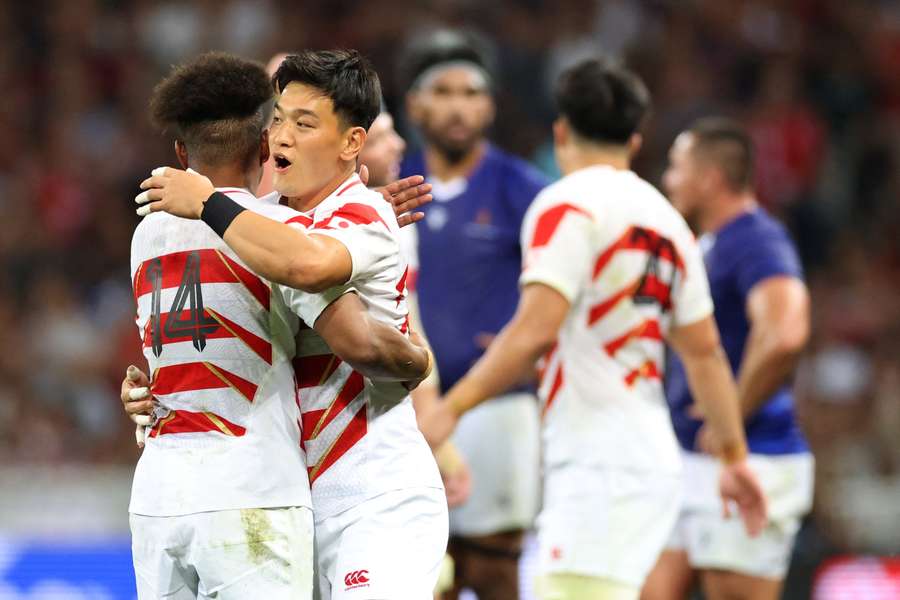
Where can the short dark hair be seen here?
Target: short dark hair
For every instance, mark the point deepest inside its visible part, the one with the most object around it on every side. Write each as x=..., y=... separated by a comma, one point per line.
x=218, y=105
x=603, y=102
x=728, y=144
x=436, y=47
x=343, y=76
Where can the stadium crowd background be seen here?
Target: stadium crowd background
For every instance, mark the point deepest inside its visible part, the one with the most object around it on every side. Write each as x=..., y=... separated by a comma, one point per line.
x=816, y=81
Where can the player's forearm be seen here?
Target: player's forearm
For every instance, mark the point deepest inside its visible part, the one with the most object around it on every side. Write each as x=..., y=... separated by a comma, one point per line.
x=281, y=253
x=713, y=387
x=767, y=363
x=509, y=360
x=393, y=357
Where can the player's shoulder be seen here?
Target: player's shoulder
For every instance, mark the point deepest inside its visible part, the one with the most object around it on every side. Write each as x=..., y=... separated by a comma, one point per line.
x=355, y=204
x=756, y=229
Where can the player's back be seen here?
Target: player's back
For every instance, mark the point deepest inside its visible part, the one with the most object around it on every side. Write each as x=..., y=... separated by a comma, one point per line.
x=219, y=344
x=360, y=435
x=629, y=266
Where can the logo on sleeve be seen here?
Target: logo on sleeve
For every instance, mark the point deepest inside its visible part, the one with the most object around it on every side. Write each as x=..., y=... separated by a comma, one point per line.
x=356, y=579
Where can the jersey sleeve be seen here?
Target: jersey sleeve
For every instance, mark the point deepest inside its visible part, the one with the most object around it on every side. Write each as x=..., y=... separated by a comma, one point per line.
x=692, y=300
x=308, y=306
x=556, y=247
x=364, y=232
x=771, y=256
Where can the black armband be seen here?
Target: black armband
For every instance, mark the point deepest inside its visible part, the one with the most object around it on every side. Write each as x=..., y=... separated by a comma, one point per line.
x=219, y=211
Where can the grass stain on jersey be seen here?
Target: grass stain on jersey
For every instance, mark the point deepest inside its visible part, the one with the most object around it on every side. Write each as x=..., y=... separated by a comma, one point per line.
x=258, y=531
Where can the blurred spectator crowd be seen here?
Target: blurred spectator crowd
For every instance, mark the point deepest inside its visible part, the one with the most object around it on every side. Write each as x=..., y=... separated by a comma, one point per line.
x=816, y=81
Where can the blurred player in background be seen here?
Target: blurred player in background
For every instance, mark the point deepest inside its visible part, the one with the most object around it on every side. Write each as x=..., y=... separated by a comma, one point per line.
x=381, y=515
x=611, y=271
x=221, y=502
x=762, y=311
x=467, y=260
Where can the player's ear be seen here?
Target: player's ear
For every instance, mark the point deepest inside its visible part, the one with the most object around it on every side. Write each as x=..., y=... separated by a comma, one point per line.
x=634, y=144
x=353, y=143
x=264, y=147
x=181, y=153
x=561, y=132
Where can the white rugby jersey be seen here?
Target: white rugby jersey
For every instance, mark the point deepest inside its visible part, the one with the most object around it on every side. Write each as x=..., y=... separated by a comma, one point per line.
x=630, y=267
x=219, y=343
x=360, y=436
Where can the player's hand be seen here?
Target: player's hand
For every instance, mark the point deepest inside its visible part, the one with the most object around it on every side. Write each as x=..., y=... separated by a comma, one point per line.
x=177, y=192
x=457, y=485
x=406, y=195
x=137, y=401
x=438, y=423
x=738, y=484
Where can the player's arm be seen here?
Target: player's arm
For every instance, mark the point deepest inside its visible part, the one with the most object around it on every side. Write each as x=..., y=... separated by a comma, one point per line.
x=778, y=311
x=509, y=360
x=275, y=251
x=711, y=384
x=373, y=348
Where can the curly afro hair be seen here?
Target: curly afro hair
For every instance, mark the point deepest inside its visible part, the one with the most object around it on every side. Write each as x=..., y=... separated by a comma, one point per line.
x=218, y=105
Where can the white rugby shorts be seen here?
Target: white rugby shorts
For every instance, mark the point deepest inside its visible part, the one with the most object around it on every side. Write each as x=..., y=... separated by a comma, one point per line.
x=713, y=542
x=227, y=555
x=389, y=547
x=607, y=523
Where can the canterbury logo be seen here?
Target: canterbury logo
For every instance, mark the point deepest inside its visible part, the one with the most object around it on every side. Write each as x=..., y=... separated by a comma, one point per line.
x=356, y=578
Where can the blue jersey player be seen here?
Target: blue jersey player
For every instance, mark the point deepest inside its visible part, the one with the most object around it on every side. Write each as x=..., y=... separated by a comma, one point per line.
x=469, y=261
x=762, y=311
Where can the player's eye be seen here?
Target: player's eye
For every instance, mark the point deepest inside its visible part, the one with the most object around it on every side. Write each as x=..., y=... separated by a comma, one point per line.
x=276, y=119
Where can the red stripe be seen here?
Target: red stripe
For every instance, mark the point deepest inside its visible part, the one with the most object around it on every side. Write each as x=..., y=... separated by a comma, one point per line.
x=232, y=191
x=215, y=267
x=182, y=421
x=549, y=221
x=354, y=432
x=548, y=358
x=312, y=371
x=554, y=389
x=360, y=214
x=260, y=346
x=352, y=388
x=648, y=370
x=640, y=238
x=413, y=280
x=349, y=185
x=401, y=286
x=649, y=329
x=302, y=219
x=598, y=311
x=308, y=422
x=189, y=377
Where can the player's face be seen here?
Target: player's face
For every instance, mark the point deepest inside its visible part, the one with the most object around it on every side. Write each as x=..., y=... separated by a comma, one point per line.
x=307, y=142
x=683, y=179
x=383, y=151
x=454, y=110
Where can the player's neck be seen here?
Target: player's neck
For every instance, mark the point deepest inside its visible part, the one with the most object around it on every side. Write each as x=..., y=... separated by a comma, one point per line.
x=228, y=176
x=309, y=201
x=728, y=209
x=596, y=156
x=441, y=167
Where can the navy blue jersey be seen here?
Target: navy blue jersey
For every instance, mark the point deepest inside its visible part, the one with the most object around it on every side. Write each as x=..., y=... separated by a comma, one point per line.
x=469, y=257
x=747, y=250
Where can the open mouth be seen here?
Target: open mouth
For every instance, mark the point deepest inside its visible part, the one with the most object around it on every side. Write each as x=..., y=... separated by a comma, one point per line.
x=281, y=163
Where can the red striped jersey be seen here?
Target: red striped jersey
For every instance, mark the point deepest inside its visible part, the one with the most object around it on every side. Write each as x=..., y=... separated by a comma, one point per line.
x=630, y=268
x=360, y=436
x=219, y=344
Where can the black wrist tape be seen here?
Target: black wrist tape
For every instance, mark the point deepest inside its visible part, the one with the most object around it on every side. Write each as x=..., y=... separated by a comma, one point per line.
x=219, y=211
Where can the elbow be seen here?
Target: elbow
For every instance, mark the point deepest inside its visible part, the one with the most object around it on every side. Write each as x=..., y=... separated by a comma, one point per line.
x=790, y=342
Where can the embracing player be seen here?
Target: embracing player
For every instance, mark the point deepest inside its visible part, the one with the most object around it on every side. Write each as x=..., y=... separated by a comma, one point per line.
x=611, y=272
x=221, y=501
x=381, y=515
x=762, y=311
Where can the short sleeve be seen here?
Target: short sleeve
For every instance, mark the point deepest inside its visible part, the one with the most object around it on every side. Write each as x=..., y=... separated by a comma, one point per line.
x=692, y=300
x=557, y=248
x=363, y=231
x=310, y=306
x=767, y=257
